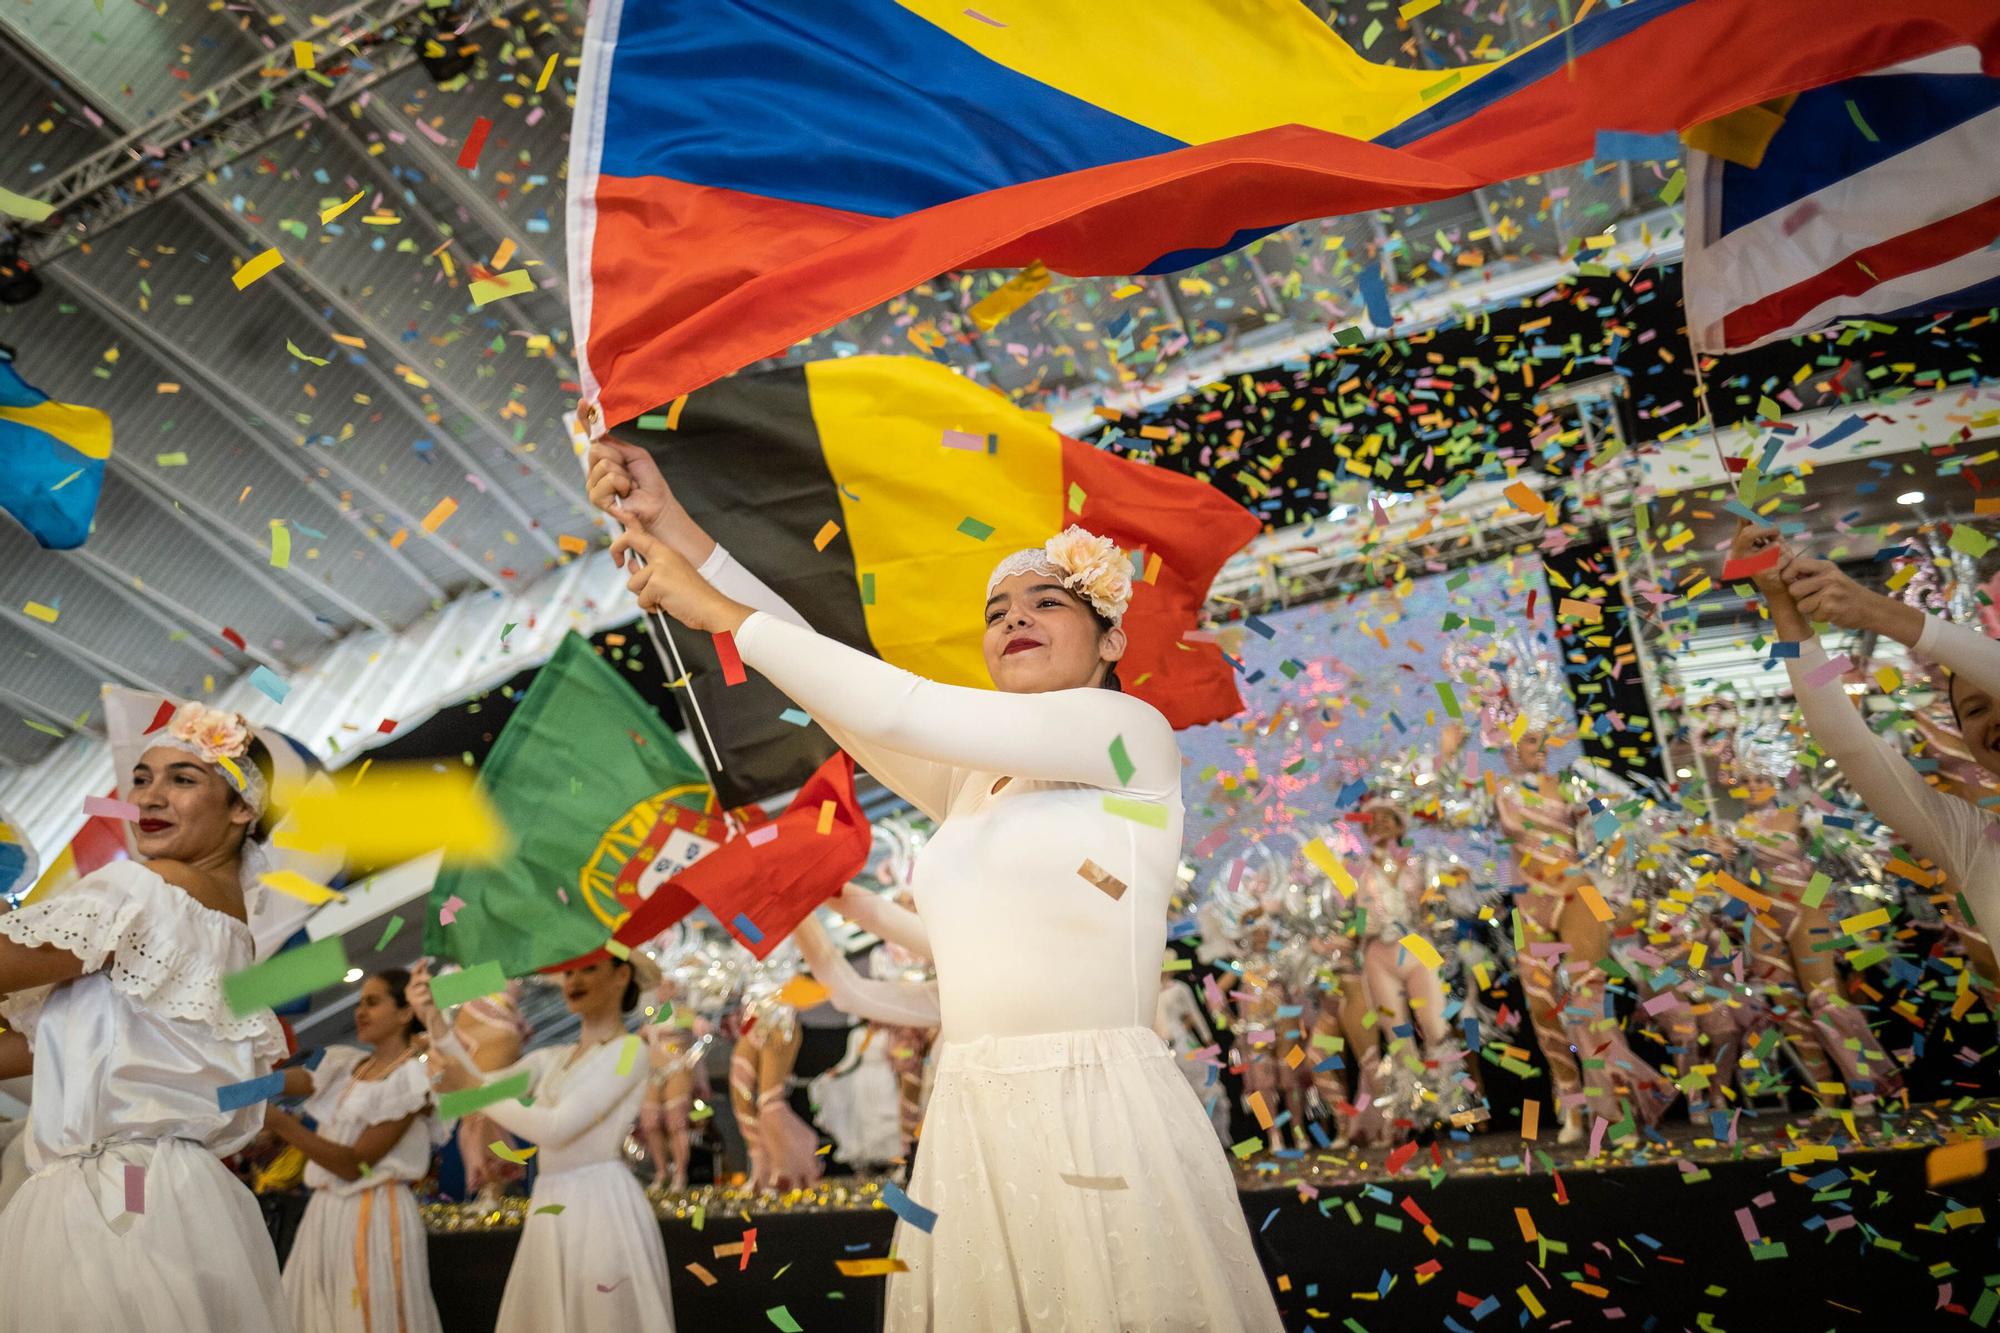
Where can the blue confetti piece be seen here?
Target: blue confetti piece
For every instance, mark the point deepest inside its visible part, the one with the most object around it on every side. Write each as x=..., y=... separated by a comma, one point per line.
x=1626, y=146
x=798, y=717
x=1259, y=628
x=1785, y=648
x=1851, y=426
x=1351, y=793
x=270, y=683
x=747, y=929
x=903, y=1206
x=1270, y=1218
x=1375, y=297
x=236, y=1096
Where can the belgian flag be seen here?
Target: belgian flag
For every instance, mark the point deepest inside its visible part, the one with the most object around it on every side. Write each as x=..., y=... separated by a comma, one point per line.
x=876, y=493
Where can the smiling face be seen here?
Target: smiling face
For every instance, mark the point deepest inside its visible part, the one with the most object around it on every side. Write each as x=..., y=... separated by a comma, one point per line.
x=1385, y=826
x=1530, y=754
x=1978, y=717
x=187, y=809
x=1041, y=636
x=596, y=988
x=378, y=1017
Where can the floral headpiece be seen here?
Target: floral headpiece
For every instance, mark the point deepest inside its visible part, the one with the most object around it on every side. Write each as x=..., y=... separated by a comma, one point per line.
x=1088, y=565
x=216, y=736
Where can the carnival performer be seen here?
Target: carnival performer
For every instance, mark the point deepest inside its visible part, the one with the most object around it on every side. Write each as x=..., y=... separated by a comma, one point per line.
x=904, y=955
x=784, y=1151
x=1178, y=1019
x=674, y=1047
x=1791, y=969
x=590, y=1257
x=854, y=1102
x=1343, y=1040
x=493, y=1032
x=1045, y=906
x=1270, y=1022
x=1952, y=833
x=1589, y=1060
x=361, y=1259
x=113, y=995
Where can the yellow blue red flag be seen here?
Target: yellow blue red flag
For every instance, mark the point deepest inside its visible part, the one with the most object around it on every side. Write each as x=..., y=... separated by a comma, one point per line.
x=52, y=458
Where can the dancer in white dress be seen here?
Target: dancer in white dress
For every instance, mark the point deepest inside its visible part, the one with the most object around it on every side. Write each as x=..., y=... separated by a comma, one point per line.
x=361, y=1260
x=1075, y=1179
x=113, y=992
x=590, y=1259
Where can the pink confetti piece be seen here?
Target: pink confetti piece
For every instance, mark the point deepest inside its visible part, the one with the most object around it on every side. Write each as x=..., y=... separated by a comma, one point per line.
x=975, y=14
x=1747, y=1225
x=450, y=910
x=135, y=1188
x=106, y=807
x=757, y=837
x=1829, y=670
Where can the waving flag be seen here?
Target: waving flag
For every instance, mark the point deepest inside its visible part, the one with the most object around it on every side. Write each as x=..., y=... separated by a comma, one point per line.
x=1878, y=195
x=51, y=460
x=745, y=174
x=883, y=491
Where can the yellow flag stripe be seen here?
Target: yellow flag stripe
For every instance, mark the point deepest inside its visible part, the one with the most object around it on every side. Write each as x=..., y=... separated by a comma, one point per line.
x=84, y=429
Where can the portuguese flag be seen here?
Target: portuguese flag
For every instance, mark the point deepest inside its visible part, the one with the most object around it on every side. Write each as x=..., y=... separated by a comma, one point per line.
x=876, y=493
x=603, y=804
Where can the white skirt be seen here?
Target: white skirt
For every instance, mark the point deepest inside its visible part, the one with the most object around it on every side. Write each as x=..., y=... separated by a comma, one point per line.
x=197, y=1259
x=859, y=1110
x=598, y=1266
x=1144, y=1233
x=361, y=1264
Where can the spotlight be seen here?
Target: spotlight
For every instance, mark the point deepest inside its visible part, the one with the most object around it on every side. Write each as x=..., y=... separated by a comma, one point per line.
x=1910, y=498
x=353, y=975
x=18, y=280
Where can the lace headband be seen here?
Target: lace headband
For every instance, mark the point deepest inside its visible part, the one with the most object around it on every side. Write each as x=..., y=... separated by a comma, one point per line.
x=1088, y=565
x=221, y=738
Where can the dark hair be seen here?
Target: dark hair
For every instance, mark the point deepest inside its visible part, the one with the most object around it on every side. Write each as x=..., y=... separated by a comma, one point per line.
x=259, y=756
x=397, y=979
x=1951, y=697
x=631, y=998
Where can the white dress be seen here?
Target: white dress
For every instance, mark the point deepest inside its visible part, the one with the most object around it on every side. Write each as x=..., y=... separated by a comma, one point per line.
x=128, y=1058
x=1076, y=1181
x=361, y=1260
x=1955, y=835
x=590, y=1259
x=855, y=1103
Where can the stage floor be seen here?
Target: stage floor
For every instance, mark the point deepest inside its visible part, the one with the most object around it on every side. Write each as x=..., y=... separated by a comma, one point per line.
x=1794, y=1226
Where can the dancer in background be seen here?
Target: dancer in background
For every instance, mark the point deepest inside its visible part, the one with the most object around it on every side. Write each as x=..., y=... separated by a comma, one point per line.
x=1046, y=912
x=904, y=955
x=1589, y=1060
x=855, y=1101
x=590, y=1258
x=492, y=1031
x=784, y=1150
x=1950, y=832
x=1271, y=1026
x=112, y=991
x=361, y=1259
x=674, y=1049
x=1179, y=1021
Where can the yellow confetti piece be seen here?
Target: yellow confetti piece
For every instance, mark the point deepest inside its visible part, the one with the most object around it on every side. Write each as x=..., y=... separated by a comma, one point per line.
x=1590, y=611
x=870, y=1267
x=802, y=992
x=46, y=614
x=573, y=545
x=1854, y=925
x=674, y=412
x=255, y=268
x=702, y=1275
x=548, y=71
x=21, y=206
x=1422, y=950
x=327, y=215
x=1255, y=1101
x=828, y=531
x=1416, y=7
x=302, y=55
x=293, y=884
x=349, y=340
x=1527, y=1296
x=440, y=511
x=518, y=1156
x=394, y=812
x=1594, y=900
x=166, y=386
x=281, y=546
x=504, y=253
x=485, y=291
x=1955, y=1161
x=827, y=810
x=1010, y=296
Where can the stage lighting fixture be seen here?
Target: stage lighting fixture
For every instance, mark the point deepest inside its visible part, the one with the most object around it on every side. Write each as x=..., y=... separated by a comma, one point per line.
x=18, y=281
x=1910, y=498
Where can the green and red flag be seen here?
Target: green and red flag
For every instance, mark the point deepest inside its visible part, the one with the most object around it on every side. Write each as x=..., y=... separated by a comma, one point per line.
x=876, y=493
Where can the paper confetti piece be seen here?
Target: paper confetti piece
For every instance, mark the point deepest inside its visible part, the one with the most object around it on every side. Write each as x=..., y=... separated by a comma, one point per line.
x=702, y=1275
x=1955, y=1161
x=1854, y=925
x=506, y=1153
x=327, y=215
x=827, y=811
x=281, y=546
x=485, y=291
x=302, y=55
x=440, y=511
x=1121, y=762
x=1625, y=146
x=453, y=1105
x=394, y=812
x=1094, y=1182
x=628, y=1054
x=176, y=458
x=571, y=545
x=475, y=143
x=106, y=807
x=236, y=1096
x=870, y=1267
x=389, y=932
x=782, y=1320
x=135, y=1185
x=472, y=983
x=918, y=1216
x=256, y=268
x=802, y=992
x=286, y=976
x=974, y=529
x=295, y=885
x=731, y=660
x=20, y=206
x=747, y=929
x=1422, y=950
x=1149, y=813
x=548, y=70
x=270, y=684
x=1744, y=566
x=827, y=532
x=46, y=614
x=1010, y=296
x=1101, y=879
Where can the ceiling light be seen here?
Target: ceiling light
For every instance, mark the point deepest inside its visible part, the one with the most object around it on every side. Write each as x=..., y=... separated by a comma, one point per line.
x=1910, y=498
x=353, y=975
x=1683, y=773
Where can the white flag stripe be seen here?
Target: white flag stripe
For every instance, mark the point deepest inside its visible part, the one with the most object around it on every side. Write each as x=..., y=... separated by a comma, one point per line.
x=1909, y=290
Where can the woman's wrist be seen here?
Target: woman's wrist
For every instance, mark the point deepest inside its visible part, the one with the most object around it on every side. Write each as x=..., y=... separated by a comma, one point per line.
x=677, y=528
x=1892, y=617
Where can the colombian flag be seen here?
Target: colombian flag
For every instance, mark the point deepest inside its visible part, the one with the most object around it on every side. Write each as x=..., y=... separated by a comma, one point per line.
x=876, y=493
x=745, y=173
x=51, y=460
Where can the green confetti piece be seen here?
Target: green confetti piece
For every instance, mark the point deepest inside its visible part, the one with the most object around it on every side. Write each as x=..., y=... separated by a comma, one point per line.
x=1075, y=498
x=1442, y=86
x=1247, y=1148
x=1816, y=891
x=1121, y=762
x=1448, y=697
x=868, y=590
x=1854, y=114
x=1370, y=33
x=628, y=1051
x=390, y=932
x=455, y=988
x=293, y=973
x=453, y=1105
x=781, y=1318
x=281, y=545
x=1675, y=185
x=550, y=1208
x=293, y=348
x=1139, y=812
x=653, y=421
x=1970, y=541
x=976, y=530
x=175, y=459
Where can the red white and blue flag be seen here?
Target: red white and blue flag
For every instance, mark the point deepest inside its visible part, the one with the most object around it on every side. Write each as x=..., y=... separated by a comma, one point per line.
x=1877, y=195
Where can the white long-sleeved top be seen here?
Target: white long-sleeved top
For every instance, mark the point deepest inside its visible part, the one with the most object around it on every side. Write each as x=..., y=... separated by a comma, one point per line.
x=1954, y=835
x=1024, y=944
x=582, y=1110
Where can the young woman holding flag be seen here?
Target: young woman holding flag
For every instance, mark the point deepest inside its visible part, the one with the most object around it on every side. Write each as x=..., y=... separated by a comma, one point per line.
x=1067, y=1175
